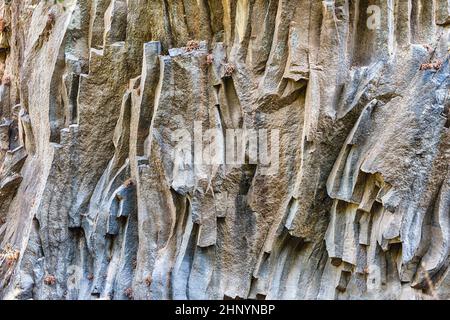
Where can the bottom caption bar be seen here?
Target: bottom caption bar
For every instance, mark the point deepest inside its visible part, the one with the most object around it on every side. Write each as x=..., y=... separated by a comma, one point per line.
x=246, y=309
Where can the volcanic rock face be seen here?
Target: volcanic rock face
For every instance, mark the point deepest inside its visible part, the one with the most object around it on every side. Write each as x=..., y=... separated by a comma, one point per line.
x=106, y=193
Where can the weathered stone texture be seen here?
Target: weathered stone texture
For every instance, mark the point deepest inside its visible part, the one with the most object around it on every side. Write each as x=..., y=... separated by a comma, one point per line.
x=93, y=204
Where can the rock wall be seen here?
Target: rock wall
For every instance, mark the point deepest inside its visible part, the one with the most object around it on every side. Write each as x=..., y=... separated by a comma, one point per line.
x=95, y=202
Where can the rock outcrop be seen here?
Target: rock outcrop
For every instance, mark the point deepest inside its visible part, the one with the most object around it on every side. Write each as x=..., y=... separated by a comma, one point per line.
x=339, y=187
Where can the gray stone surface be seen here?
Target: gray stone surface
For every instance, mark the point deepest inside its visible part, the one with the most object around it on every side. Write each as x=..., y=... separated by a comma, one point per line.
x=94, y=205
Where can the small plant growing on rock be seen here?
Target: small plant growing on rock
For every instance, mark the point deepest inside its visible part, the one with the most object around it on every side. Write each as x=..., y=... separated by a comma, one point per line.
x=50, y=280
x=128, y=293
x=129, y=183
x=148, y=281
x=10, y=255
x=192, y=45
x=436, y=65
x=229, y=69
x=51, y=18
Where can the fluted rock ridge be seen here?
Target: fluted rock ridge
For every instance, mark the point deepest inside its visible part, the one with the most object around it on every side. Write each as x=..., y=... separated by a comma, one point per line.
x=98, y=200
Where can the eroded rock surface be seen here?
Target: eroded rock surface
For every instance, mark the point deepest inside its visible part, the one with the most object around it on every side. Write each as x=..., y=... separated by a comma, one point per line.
x=95, y=204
